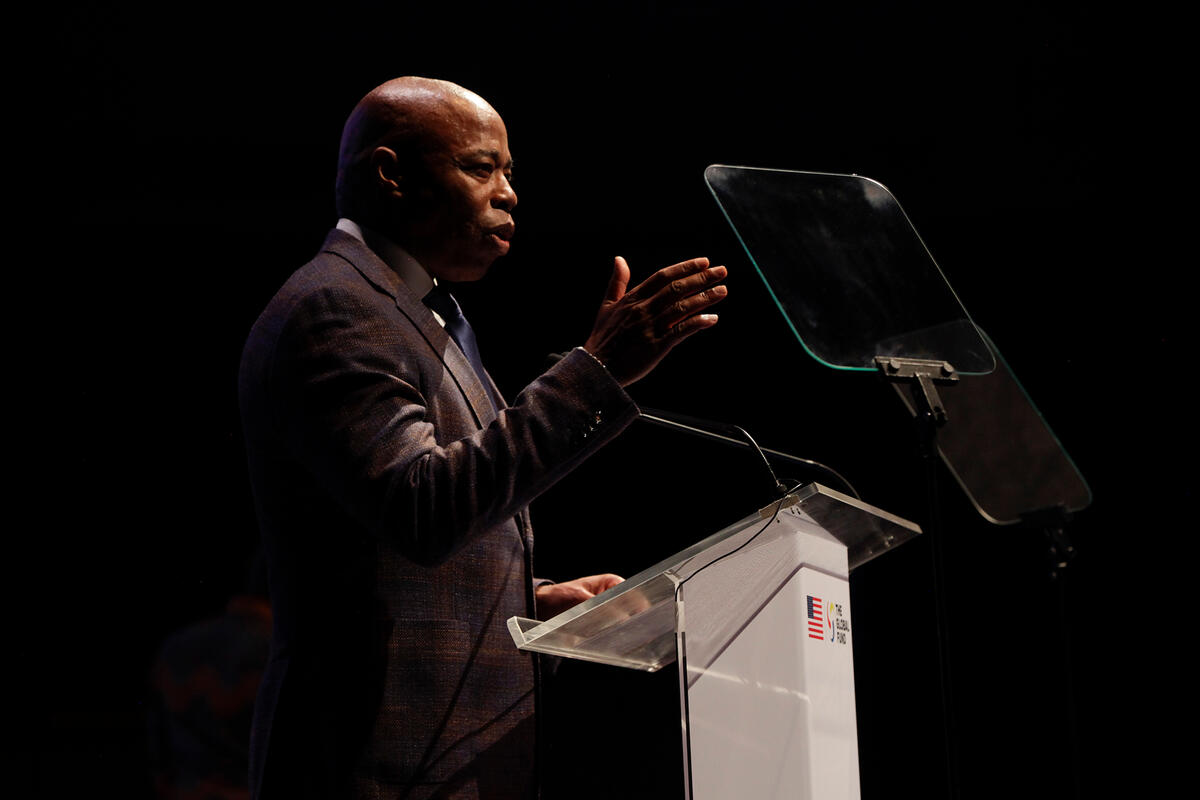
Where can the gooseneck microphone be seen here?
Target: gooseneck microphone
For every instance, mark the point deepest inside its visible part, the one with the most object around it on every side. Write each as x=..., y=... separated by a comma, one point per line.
x=706, y=429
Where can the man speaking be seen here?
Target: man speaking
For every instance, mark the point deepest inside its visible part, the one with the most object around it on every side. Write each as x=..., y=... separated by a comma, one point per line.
x=391, y=479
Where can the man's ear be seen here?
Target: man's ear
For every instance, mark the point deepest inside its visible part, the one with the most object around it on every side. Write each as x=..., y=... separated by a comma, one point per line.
x=385, y=171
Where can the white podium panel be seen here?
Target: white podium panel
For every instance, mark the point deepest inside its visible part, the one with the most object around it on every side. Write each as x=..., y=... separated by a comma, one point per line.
x=770, y=702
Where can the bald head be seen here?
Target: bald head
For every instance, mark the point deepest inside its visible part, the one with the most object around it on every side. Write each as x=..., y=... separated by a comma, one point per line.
x=407, y=116
x=426, y=163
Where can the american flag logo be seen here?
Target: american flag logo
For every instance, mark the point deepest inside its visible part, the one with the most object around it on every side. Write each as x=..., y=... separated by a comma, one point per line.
x=816, y=618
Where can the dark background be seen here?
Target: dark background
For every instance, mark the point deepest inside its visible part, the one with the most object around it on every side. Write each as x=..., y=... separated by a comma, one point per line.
x=187, y=152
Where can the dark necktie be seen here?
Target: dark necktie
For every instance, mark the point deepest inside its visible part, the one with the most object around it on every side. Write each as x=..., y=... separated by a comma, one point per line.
x=460, y=331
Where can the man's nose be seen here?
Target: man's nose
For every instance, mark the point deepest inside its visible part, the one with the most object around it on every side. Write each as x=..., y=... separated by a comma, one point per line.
x=505, y=196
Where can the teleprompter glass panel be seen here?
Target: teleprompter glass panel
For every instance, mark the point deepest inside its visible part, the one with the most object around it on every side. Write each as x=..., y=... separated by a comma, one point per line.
x=1001, y=450
x=847, y=268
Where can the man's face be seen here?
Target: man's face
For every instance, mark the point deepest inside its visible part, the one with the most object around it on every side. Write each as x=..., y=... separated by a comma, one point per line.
x=460, y=198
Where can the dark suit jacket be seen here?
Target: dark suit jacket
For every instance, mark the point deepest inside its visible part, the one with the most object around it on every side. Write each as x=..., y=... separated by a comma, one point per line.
x=392, y=500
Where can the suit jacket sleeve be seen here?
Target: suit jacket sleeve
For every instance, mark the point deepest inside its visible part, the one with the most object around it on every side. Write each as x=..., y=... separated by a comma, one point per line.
x=355, y=386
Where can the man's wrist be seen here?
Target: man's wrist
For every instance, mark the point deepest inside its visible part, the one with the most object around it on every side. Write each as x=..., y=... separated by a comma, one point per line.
x=595, y=357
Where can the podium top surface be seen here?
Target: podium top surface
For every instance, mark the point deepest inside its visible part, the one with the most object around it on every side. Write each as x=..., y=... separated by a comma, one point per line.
x=633, y=624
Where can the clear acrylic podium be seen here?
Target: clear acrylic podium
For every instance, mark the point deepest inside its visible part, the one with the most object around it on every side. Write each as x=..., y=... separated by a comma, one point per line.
x=757, y=617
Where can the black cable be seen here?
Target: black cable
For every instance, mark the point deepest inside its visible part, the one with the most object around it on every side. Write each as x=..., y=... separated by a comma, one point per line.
x=774, y=516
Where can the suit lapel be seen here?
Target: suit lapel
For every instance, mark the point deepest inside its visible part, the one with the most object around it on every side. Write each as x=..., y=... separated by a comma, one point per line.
x=379, y=275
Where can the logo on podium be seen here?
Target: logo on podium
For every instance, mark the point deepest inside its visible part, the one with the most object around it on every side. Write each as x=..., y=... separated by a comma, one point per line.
x=825, y=620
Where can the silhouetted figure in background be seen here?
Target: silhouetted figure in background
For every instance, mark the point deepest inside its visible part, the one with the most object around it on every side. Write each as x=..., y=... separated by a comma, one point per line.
x=202, y=688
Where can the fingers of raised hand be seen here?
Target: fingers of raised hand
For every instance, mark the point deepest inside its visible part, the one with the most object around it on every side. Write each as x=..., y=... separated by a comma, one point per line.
x=688, y=326
x=684, y=297
x=666, y=275
x=692, y=282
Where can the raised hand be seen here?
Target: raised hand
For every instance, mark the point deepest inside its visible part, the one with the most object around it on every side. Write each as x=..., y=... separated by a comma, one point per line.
x=635, y=329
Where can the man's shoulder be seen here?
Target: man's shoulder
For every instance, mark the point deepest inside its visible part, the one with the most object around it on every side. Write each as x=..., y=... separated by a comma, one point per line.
x=343, y=267
x=333, y=288
x=342, y=260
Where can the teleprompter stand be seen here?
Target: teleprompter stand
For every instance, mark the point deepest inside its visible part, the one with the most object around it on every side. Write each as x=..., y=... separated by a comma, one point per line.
x=861, y=292
x=757, y=618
